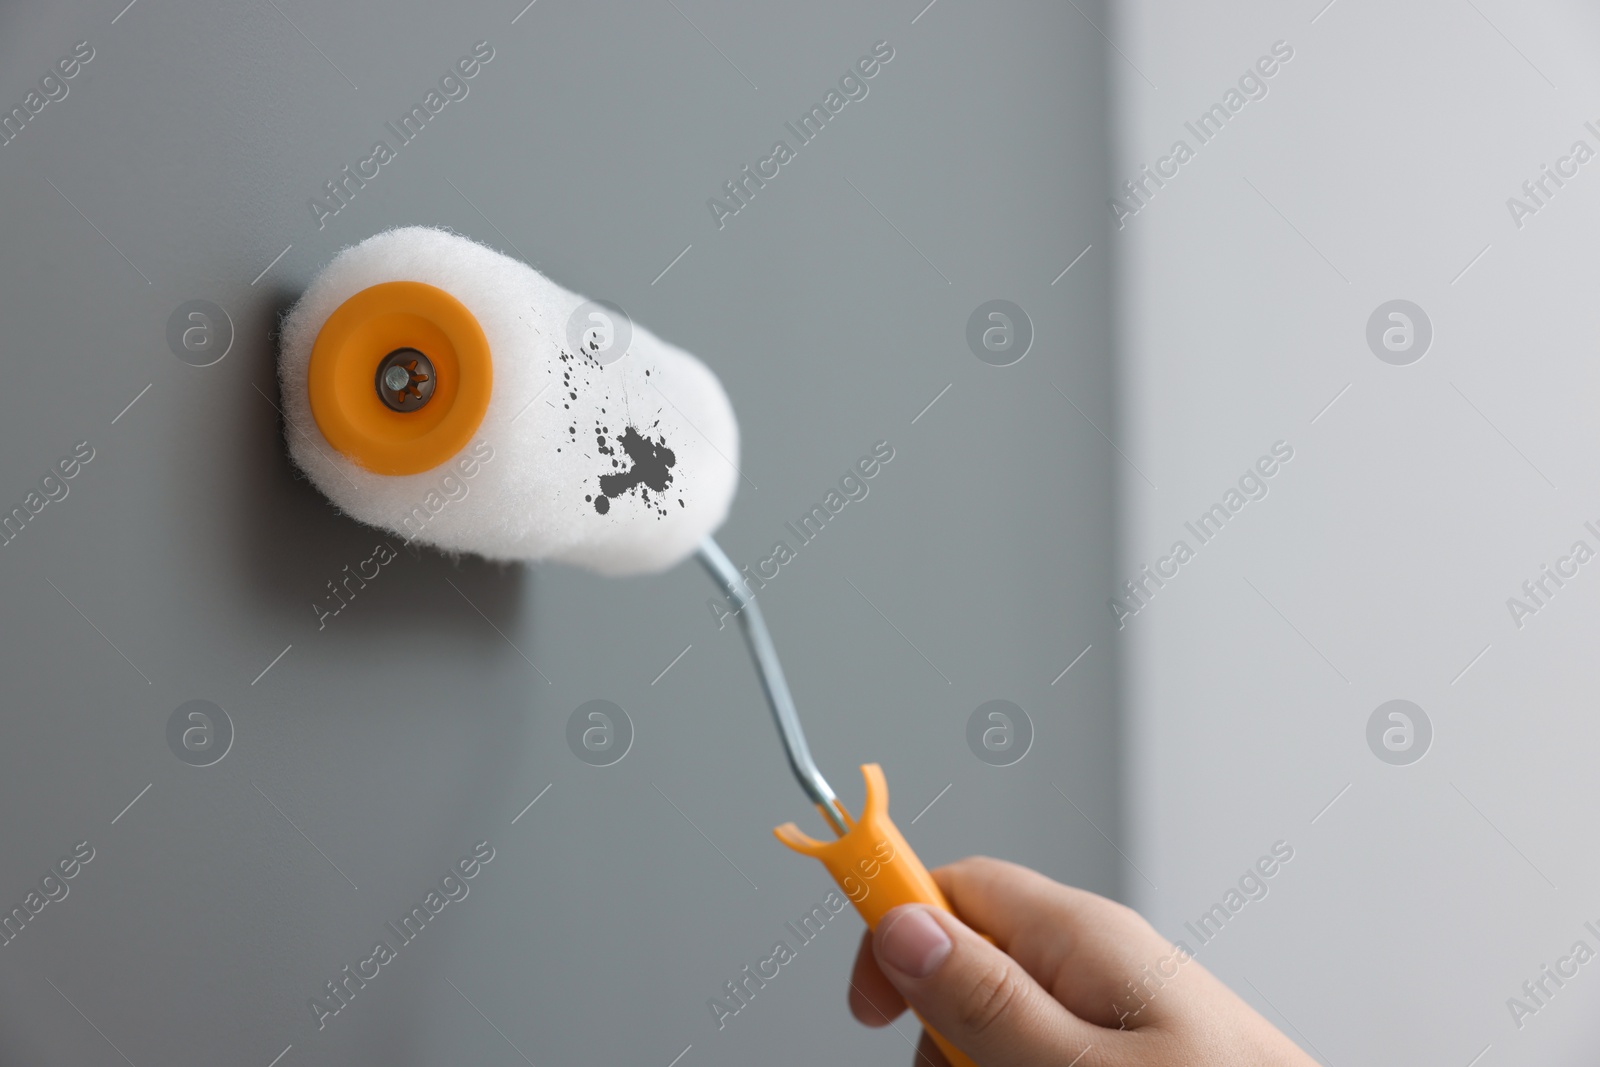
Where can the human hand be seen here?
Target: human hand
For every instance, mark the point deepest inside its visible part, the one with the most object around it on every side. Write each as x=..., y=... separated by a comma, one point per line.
x=1070, y=978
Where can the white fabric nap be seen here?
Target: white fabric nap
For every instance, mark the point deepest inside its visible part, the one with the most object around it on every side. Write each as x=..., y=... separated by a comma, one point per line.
x=571, y=461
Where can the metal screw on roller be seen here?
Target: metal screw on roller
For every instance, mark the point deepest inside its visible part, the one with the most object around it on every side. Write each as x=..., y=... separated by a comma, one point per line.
x=405, y=380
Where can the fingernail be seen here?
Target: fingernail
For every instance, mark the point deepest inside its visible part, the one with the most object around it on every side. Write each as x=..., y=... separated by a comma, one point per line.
x=914, y=943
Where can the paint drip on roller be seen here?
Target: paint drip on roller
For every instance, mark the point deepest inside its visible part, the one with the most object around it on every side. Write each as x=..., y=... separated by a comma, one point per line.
x=622, y=467
x=651, y=464
x=640, y=464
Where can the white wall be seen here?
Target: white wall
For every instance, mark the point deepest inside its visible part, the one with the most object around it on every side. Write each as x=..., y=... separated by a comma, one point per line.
x=1377, y=167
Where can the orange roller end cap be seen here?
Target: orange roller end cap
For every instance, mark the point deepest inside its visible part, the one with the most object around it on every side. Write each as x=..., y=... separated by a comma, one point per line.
x=345, y=399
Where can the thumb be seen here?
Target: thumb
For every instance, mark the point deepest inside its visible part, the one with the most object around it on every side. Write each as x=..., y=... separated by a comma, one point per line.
x=976, y=997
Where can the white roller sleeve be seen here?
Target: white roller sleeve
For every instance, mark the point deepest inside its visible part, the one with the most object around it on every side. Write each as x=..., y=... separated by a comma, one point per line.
x=557, y=423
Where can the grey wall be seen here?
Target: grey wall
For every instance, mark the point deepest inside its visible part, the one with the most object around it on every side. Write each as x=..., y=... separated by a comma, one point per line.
x=377, y=750
x=1420, y=897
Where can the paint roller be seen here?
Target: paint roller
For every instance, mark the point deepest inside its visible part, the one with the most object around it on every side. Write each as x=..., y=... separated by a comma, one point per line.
x=419, y=355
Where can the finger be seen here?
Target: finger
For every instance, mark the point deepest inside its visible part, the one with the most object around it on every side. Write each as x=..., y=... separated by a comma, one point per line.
x=1101, y=960
x=928, y=1054
x=977, y=997
x=874, y=1000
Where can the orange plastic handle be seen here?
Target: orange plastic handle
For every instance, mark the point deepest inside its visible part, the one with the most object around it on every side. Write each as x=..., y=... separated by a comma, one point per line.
x=875, y=869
